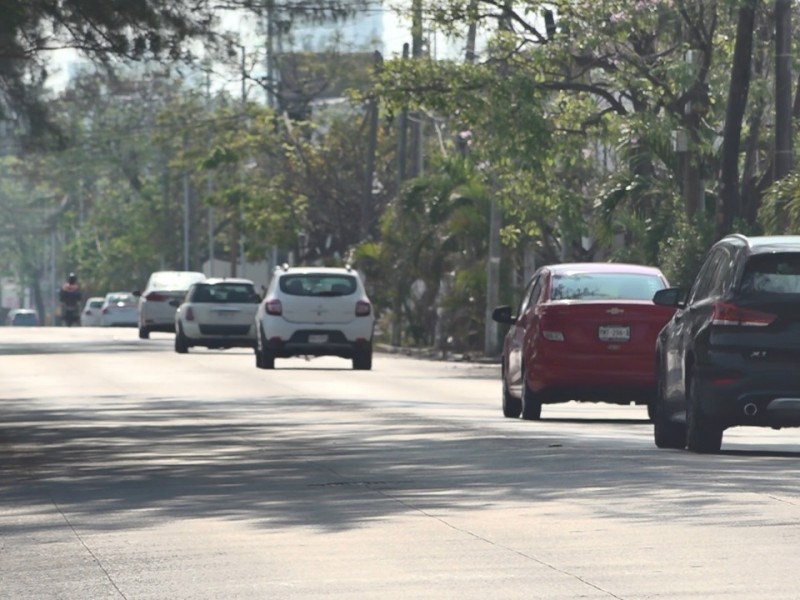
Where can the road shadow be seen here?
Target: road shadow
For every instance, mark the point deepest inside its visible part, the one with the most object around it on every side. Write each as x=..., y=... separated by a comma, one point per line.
x=118, y=462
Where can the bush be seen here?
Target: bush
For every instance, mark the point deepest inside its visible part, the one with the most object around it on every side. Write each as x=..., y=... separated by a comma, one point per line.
x=682, y=253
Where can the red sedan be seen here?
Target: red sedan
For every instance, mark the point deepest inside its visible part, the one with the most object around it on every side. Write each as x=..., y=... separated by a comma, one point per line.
x=583, y=331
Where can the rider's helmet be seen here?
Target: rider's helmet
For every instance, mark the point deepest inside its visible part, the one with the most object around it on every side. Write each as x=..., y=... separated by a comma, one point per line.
x=72, y=279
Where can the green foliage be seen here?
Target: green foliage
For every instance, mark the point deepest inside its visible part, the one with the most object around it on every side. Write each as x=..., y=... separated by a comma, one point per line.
x=682, y=253
x=780, y=213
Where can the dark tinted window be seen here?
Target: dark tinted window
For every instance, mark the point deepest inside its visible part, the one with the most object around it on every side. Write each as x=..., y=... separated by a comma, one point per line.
x=121, y=298
x=601, y=286
x=221, y=293
x=772, y=273
x=526, y=295
x=24, y=319
x=701, y=288
x=318, y=285
x=723, y=274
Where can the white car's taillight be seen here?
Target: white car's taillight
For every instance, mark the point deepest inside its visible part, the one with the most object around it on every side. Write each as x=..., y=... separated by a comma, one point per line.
x=363, y=308
x=274, y=307
x=189, y=314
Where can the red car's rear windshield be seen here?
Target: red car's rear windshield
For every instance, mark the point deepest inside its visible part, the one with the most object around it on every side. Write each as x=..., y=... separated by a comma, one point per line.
x=605, y=286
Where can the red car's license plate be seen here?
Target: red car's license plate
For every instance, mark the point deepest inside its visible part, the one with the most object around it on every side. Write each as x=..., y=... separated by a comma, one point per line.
x=614, y=333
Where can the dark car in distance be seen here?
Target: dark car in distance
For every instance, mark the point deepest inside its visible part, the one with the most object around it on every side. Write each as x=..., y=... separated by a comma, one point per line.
x=730, y=354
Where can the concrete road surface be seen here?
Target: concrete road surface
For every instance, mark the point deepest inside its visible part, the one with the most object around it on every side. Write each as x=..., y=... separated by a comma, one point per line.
x=128, y=471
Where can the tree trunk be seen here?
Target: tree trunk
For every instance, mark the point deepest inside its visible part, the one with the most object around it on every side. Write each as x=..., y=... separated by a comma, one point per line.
x=729, y=206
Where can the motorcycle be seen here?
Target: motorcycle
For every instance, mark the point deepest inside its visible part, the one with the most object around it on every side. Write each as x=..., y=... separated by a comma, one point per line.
x=70, y=315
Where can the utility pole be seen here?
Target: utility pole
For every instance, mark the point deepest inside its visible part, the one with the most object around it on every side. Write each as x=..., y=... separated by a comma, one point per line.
x=783, y=88
x=402, y=137
x=210, y=191
x=186, y=220
x=235, y=234
x=472, y=31
x=270, y=53
x=372, y=144
x=416, y=118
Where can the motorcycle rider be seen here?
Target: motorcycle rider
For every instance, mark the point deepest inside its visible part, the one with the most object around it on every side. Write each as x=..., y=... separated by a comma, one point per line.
x=70, y=296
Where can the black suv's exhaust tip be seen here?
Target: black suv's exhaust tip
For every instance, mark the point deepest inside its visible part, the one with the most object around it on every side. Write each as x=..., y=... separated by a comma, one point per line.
x=750, y=409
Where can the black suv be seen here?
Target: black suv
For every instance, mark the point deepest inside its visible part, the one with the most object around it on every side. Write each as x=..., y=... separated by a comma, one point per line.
x=731, y=353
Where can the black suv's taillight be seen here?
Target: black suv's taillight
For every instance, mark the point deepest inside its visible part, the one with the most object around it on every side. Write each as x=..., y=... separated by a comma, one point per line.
x=726, y=313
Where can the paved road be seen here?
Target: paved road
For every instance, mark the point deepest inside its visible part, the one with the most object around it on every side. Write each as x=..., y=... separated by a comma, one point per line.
x=127, y=471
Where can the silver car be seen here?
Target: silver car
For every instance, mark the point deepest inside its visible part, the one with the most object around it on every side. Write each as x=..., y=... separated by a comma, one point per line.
x=161, y=297
x=217, y=313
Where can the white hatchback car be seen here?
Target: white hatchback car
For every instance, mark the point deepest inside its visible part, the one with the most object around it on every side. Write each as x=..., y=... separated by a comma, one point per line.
x=119, y=310
x=217, y=313
x=163, y=294
x=90, y=315
x=315, y=311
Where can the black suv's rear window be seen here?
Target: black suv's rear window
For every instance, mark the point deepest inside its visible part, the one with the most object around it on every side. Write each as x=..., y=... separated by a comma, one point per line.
x=318, y=285
x=772, y=273
x=234, y=293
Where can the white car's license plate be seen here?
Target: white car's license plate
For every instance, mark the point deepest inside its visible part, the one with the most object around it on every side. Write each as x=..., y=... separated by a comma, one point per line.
x=614, y=333
x=317, y=339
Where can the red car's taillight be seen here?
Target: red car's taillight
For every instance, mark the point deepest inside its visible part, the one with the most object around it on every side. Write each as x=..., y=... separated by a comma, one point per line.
x=363, y=308
x=274, y=307
x=725, y=313
x=156, y=297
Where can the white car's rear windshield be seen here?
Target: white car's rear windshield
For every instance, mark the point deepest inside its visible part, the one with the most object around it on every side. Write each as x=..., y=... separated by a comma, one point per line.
x=174, y=281
x=318, y=285
x=600, y=286
x=121, y=298
x=238, y=293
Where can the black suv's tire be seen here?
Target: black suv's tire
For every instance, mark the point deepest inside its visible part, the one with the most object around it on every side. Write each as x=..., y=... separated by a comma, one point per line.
x=531, y=402
x=362, y=359
x=702, y=435
x=512, y=407
x=144, y=333
x=666, y=433
x=181, y=343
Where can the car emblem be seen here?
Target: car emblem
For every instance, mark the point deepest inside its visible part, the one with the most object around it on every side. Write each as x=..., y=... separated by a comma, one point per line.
x=615, y=311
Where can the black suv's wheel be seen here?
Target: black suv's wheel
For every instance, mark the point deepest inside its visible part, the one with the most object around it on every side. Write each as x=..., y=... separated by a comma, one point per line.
x=362, y=359
x=181, y=343
x=512, y=407
x=531, y=402
x=702, y=435
x=666, y=433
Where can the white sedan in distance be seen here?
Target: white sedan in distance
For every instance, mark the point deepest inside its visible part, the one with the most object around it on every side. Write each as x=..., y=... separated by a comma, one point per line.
x=119, y=310
x=164, y=292
x=90, y=315
x=217, y=313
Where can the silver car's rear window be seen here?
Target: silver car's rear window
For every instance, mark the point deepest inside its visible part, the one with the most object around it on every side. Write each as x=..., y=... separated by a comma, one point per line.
x=235, y=293
x=318, y=285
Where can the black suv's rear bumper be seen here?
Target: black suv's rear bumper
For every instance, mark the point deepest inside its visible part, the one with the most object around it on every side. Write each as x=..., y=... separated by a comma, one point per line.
x=762, y=395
